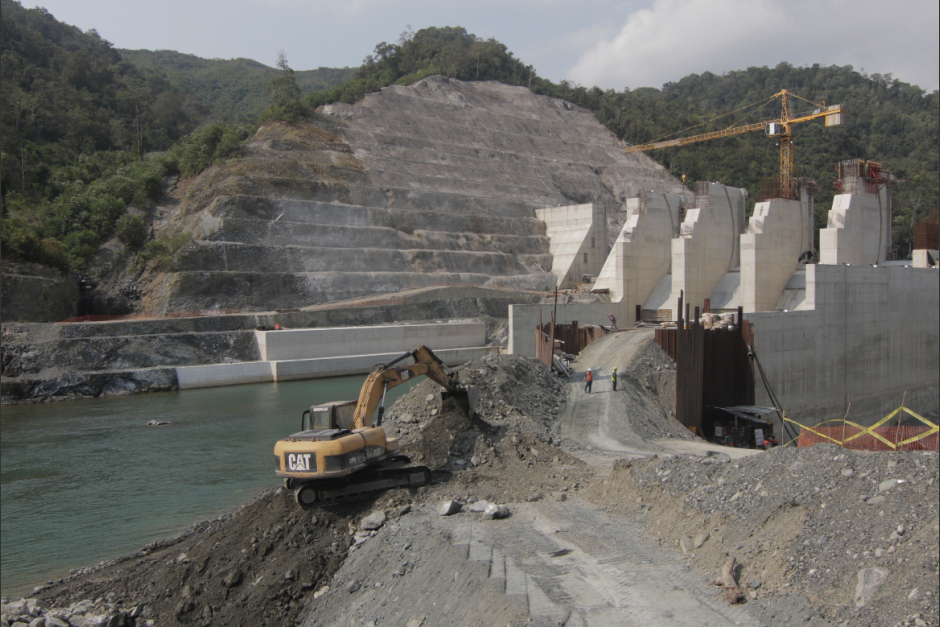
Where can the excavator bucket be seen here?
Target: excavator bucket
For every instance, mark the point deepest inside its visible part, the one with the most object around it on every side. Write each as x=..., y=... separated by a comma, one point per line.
x=467, y=396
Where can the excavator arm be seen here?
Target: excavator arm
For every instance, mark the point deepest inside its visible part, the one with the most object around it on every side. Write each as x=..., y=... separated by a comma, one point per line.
x=386, y=376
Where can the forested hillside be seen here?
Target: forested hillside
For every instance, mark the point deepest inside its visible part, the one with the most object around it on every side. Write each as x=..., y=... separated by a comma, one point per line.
x=886, y=120
x=232, y=89
x=76, y=122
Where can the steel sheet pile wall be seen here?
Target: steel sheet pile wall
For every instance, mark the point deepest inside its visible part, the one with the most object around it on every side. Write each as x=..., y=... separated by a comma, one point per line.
x=572, y=337
x=544, y=342
x=712, y=370
x=728, y=378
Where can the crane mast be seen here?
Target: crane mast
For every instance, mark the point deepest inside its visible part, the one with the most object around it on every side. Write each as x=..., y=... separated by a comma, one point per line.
x=780, y=128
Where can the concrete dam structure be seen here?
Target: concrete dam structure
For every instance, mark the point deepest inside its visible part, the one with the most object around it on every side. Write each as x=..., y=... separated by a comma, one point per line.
x=435, y=183
x=854, y=330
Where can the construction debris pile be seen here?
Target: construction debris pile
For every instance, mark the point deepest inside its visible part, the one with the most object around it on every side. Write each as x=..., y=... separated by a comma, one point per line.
x=856, y=533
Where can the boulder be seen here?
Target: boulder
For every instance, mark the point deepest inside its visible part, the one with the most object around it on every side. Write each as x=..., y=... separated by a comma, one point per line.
x=448, y=507
x=232, y=579
x=494, y=511
x=373, y=521
x=868, y=581
x=888, y=484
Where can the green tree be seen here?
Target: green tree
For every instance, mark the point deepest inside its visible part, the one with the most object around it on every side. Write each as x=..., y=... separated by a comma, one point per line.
x=131, y=230
x=283, y=93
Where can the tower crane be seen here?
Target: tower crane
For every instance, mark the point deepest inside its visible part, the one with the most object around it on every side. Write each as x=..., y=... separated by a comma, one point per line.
x=780, y=128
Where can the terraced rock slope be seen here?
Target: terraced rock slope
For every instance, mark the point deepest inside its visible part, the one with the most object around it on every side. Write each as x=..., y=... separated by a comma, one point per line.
x=434, y=183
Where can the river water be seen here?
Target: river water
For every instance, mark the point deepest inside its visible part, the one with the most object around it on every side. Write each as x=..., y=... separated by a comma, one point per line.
x=84, y=481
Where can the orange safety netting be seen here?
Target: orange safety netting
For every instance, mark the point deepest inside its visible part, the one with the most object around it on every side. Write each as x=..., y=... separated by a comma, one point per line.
x=878, y=437
x=861, y=439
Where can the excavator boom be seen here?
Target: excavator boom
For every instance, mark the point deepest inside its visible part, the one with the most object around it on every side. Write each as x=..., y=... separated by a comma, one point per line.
x=384, y=377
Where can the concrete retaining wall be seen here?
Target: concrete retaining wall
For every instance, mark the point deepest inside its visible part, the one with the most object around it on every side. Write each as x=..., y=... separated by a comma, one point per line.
x=343, y=341
x=294, y=369
x=292, y=354
x=524, y=318
x=870, y=335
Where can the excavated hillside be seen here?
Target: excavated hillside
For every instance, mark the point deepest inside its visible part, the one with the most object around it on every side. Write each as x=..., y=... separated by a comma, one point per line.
x=434, y=183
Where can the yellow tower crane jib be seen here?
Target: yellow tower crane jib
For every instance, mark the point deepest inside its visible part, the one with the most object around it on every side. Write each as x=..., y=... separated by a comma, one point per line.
x=779, y=128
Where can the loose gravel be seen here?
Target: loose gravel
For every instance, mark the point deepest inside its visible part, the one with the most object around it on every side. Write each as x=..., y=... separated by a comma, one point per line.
x=849, y=535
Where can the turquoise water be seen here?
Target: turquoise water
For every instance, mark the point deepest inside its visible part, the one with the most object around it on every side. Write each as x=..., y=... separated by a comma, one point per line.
x=84, y=481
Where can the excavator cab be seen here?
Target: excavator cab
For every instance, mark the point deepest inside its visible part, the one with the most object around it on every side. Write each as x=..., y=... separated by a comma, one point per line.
x=334, y=415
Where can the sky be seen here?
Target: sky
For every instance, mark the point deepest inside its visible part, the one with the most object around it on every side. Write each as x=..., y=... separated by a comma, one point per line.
x=608, y=43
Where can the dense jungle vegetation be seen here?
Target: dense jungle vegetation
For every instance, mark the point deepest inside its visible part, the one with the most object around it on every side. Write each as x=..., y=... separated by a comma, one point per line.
x=232, y=89
x=79, y=120
x=77, y=123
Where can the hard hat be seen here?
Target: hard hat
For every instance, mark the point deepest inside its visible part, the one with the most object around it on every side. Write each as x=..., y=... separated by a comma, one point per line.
x=589, y=369
x=615, y=367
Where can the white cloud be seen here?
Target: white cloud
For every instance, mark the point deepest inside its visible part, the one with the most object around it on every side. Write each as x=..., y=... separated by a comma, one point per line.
x=675, y=38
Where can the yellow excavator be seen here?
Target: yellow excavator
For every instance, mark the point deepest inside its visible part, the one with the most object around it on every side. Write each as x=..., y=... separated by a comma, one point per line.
x=341, y=454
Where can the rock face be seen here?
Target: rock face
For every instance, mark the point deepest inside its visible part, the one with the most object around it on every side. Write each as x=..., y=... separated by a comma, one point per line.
x=435, y=183
x=35, y=293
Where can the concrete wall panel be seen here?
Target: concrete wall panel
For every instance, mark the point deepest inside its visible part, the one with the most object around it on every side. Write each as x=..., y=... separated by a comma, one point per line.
x=642, y=254
x=708, y=245
x=859, y=228
x=578, y=240
x=346, y=341
x=215, y=375
x=770, y=252
x=872, y=336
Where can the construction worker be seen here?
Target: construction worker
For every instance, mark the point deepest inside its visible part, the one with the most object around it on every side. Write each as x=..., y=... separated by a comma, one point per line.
x=613, y=320
x=588, y=380
x=613, y=378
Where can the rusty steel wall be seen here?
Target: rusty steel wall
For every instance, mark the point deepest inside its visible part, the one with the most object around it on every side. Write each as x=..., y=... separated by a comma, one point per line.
x=544, y=342
x=712, y=370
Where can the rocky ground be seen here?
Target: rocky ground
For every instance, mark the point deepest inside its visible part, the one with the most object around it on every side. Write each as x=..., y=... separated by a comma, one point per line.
x=820, y=536
x=850, y=535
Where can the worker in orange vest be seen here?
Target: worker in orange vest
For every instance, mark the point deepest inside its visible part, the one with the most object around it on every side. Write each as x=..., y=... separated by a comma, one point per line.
x=588, y=380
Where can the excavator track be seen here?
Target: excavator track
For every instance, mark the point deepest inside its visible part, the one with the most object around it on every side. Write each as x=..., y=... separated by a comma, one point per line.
x=359, y=486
